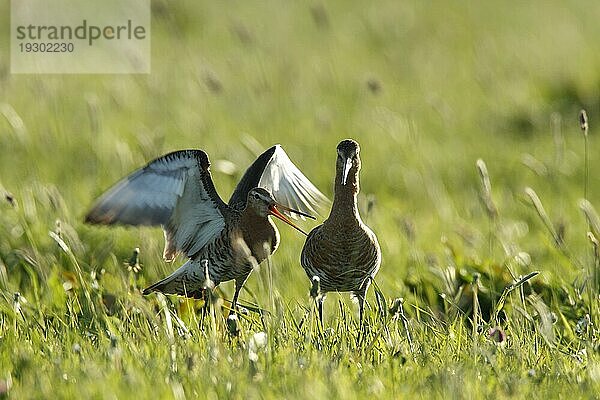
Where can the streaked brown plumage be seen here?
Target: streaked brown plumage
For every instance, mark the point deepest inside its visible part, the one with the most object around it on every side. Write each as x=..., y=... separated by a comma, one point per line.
x=343, y=253
x=176, y=192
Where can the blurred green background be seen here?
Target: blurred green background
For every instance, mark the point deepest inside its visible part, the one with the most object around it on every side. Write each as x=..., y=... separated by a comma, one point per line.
x=426, y=88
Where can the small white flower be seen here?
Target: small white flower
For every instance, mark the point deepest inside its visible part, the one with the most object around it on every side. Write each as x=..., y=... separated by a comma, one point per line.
x=256, y=344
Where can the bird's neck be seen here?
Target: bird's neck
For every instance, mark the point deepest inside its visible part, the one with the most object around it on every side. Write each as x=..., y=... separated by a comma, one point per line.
x=345, y=203
x=250, y=220
x=259, y=232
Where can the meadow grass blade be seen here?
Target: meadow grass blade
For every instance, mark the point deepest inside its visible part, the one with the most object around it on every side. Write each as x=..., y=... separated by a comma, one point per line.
x=596, y=265
x=15, y=121
x=541, y=212
x=169, y=330
x=558, y=138
x=477, y=318
x=584, y=125
x=508, y=290
x=591, y=216
x=594, y=279
x=486, y=190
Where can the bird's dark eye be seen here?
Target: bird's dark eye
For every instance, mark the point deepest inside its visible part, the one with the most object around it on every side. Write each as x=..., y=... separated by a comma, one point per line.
x=255, y=196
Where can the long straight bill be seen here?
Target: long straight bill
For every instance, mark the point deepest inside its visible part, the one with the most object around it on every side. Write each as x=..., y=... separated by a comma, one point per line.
x=275, y=212
x=284, y=208
x=347, y=166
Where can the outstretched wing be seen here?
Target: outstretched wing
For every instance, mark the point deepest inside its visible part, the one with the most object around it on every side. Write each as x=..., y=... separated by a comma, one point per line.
x=175, y=191
x=274, y=171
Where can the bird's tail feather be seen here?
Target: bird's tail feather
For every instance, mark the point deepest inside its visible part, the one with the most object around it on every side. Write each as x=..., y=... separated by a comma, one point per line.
x=184, y=281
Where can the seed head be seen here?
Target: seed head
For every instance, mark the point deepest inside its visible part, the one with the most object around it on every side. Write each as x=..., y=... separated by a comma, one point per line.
x=486, y=190
x=256, y=345
x=583, y=122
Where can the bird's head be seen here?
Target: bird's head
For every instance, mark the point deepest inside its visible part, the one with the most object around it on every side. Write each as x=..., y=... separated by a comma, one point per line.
x=348, y=162
x=261, y=201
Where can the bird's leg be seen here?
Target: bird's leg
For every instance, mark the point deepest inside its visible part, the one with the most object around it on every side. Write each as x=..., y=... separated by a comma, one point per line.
x=315, y=293
x=206, y=295
x=202, y=294
x=361, y=311
x=319, y=301
x=239, y=283
x=232, y=320
x=360, y=296
x=206, y=290
x=238, y=287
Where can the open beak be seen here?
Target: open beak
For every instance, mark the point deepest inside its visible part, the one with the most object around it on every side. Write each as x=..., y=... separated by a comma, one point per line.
x=347, y=166
x=273, y=209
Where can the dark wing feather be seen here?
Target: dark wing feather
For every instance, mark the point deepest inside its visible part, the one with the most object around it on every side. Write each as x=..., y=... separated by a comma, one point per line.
x=175, y=191
x=250, y=179
x=274, y=171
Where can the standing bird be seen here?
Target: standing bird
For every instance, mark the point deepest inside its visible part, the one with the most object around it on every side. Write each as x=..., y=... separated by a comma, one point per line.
x=342, y=254
x=176, y=192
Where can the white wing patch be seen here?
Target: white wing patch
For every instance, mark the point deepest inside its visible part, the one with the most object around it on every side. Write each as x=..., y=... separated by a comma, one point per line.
x=289, y=186
x=195, y=224
x=170, y=191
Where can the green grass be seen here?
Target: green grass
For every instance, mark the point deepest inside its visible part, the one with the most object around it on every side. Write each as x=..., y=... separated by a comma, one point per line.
x=427, y=88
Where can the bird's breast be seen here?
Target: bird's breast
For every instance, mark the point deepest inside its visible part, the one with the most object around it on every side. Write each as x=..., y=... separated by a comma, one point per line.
x=342, y=256
x=261, y=238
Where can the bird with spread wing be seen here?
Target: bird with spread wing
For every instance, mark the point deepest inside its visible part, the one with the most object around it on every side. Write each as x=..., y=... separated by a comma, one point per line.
x=222, y=241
